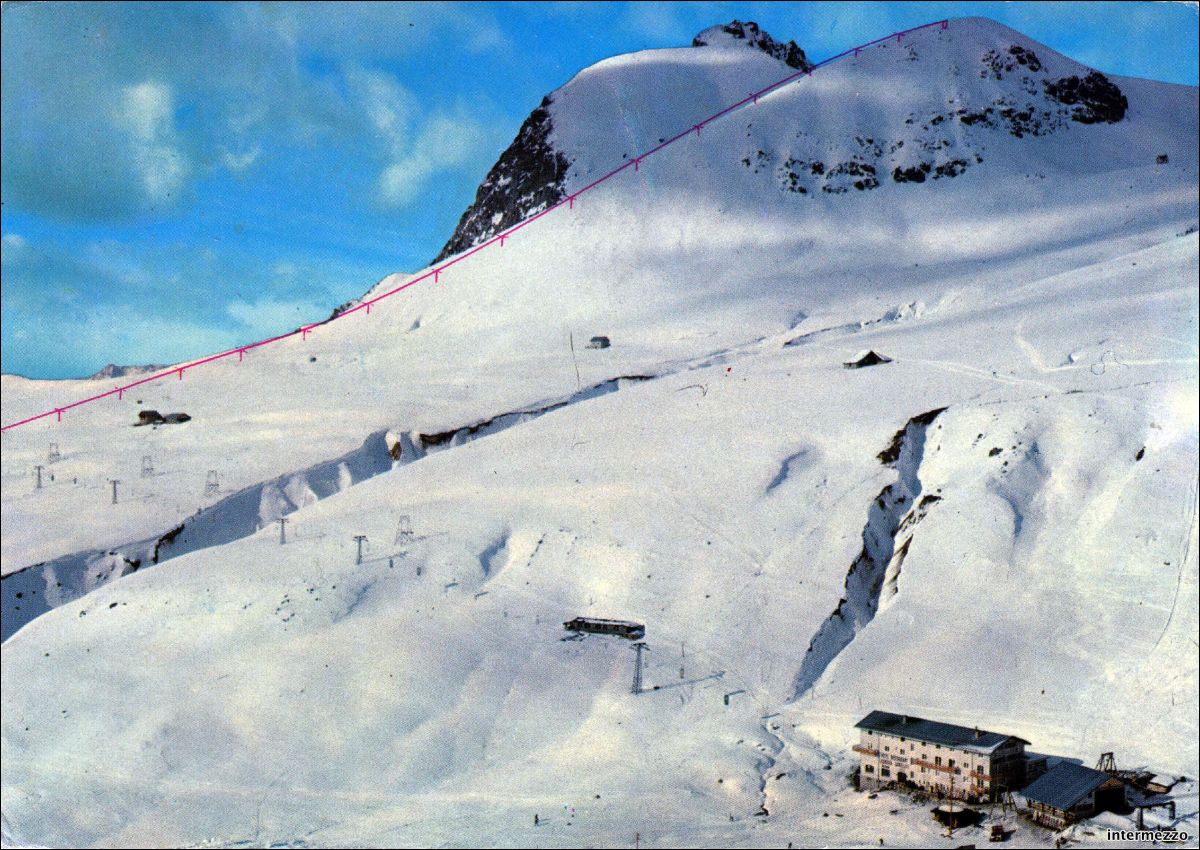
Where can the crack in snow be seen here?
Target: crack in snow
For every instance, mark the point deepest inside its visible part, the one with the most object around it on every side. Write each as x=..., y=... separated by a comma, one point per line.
x=896, y=509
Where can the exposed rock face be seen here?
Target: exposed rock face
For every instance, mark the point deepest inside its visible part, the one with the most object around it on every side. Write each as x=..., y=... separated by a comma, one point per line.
x=947, y=143
x=1095, y=97
x=913, y=174
x=997, y=64
x=748, y=31
x=528, y=177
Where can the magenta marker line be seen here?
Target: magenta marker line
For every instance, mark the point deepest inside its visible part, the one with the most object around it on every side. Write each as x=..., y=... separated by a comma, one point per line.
x=569, y=201
x=726, y=110
x=144, y=381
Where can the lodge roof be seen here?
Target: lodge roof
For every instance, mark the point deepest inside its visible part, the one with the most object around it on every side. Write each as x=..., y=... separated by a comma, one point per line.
x=935, y=732
x=1064, y=785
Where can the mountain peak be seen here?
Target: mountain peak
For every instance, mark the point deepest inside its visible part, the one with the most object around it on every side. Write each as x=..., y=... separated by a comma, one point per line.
x=112, y=370
x=740, y=34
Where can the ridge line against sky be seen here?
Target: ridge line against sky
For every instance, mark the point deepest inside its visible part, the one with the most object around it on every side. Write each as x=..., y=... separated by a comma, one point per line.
x=182, y=177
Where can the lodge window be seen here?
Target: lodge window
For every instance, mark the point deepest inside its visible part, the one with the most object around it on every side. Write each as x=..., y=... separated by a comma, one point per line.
x=885, y=771
x=951, y=763
x=887, y=749
x=937, y=760
x=868, y=768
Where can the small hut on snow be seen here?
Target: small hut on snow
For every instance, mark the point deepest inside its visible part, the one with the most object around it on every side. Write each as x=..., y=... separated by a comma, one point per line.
x=866, y=358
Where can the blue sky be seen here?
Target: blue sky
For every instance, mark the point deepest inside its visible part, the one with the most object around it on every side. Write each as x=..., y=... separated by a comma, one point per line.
x=182, y=178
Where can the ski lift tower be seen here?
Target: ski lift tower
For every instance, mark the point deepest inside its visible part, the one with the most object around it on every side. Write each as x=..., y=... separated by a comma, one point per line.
x=404, y=532
x=639, y=648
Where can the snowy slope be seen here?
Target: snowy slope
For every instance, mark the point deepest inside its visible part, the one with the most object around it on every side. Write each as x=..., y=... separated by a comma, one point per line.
x=667, y=283
x=1044, y=297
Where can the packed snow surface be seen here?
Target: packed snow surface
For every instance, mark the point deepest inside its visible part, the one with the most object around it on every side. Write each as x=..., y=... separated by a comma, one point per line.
x=1023, y=560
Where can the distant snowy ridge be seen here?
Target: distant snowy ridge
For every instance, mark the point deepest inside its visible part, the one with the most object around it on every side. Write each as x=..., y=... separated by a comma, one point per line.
x=112, y=370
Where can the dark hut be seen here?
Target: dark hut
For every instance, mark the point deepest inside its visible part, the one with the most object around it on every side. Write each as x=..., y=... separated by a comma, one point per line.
x=865, y=359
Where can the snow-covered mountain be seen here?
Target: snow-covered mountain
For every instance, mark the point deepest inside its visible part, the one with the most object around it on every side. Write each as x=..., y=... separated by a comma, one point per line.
x=996, y=528
x=112, y=370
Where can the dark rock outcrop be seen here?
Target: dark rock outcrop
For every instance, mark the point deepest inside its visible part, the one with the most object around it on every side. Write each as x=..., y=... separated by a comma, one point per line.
x=528, y=177
x=997, y=64
x=153, y=417
x=1095, y=97
x=748, y=31
x=912, y=174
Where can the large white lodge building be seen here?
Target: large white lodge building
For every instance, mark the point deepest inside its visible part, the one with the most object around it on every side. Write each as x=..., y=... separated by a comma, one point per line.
x=946, y=760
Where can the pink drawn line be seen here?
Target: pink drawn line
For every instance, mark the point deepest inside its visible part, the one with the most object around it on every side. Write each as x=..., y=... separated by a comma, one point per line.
x=499, y=238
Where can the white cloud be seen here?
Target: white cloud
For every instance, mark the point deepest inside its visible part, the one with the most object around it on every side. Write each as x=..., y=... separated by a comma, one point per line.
x=657, y=21
x=388, y=105
x=417, y=147
x=485, y=38
x=401, y=182
x=268, y=316
x=108, y=335
x=444, y=142
x=16, y=250
x=146, y=113
x=240, y=161
x=243, y=116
